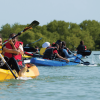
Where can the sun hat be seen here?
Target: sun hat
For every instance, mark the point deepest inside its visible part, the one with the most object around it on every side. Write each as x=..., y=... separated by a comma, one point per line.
x=45, y=45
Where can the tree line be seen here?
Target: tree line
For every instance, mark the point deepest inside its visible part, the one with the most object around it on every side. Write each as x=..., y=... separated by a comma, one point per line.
x=71, y=33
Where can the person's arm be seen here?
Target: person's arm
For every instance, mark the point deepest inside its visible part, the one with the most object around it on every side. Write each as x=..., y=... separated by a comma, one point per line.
x=11, y=50
x=56, y=52
x=68, y=55
x=61, y=57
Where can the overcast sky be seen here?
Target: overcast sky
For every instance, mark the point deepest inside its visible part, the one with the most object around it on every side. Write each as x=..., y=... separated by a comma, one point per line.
x=45, y=11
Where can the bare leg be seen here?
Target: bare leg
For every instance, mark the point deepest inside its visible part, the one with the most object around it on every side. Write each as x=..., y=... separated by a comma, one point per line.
x=22, y=71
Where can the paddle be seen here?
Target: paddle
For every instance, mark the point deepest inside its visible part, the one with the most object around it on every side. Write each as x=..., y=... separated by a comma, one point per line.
x=85, y=63
x=33, y=42
x=32, y=25
x=7, y=66
x=73, y=45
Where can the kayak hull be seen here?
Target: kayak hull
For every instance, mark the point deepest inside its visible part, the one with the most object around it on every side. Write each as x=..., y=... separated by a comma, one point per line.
x=45, y=62
x=6, y=74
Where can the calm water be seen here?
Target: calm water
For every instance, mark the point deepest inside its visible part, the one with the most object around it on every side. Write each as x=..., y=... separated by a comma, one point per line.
x=57, y=83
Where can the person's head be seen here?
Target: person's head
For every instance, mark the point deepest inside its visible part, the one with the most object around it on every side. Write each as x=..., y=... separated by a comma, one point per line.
x=60, y=45
x=81, y=42
x=58, y=42
x=0, y=40
x=57, y=46
x=14, y=39
x=63, y=43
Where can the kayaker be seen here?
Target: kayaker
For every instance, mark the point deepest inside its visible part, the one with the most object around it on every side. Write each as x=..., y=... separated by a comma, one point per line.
x=11, y=62
x=44, y=46
x=52, y=53
x=65, y=51
x=17, y=45
x=81, y=48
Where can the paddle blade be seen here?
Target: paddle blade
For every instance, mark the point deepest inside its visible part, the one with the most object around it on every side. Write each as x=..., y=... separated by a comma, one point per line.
x=86, y=63
x=32, y=25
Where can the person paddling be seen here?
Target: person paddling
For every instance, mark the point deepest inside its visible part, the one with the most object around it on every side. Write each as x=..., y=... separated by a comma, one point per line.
x=66, y=52
x=17, y=45
x=52, y=53
x=11, y=62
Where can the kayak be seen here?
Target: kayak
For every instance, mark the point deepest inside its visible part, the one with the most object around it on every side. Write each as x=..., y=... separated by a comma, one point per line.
x=45, y=62
x=85, y=53
x=26, y=56
x=32, y=72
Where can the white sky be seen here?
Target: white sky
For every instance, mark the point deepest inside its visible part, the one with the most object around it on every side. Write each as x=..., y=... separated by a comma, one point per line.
x=45, y=11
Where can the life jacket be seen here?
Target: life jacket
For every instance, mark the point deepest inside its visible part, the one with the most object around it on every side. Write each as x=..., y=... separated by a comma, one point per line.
x=48, y=54
x=42, y=50
x=81, y=48
x=9, y=55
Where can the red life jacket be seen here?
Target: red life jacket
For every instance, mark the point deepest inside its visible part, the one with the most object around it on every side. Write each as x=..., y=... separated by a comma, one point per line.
x=9, y=55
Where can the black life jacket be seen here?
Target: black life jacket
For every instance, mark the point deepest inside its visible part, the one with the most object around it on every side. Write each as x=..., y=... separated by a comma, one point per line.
x=48, y=54
x=81, y=48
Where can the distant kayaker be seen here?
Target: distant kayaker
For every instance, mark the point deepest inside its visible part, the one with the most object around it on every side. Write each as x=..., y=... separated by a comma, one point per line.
x=65, y=52
x=81, y=48
x=44, y=46
x=52, y=53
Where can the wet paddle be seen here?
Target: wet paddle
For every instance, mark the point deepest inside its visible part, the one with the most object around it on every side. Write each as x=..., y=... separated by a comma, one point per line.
x=32, y=25
x=85, y=63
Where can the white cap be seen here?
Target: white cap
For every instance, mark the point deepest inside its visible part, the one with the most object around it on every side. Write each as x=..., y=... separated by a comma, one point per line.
x=45, y=45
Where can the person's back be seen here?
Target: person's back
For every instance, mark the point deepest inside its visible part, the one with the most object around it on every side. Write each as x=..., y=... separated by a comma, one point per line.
x=48, y=54
x=81, y=47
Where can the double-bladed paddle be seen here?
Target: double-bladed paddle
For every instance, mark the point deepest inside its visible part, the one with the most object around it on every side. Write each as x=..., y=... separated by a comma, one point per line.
x=32, y=25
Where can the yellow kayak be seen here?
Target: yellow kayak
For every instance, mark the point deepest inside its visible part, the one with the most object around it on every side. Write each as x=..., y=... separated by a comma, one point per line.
x=26, y=56
x=6, y=74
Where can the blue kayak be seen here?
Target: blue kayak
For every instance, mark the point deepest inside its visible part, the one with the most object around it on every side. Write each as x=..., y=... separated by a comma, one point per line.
x=45, y=62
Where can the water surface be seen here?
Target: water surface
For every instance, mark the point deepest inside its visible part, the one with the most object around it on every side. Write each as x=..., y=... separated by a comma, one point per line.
x=57, y=83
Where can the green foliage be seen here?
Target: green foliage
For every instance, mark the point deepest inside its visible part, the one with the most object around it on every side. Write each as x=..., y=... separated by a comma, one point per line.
x=88, y=31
